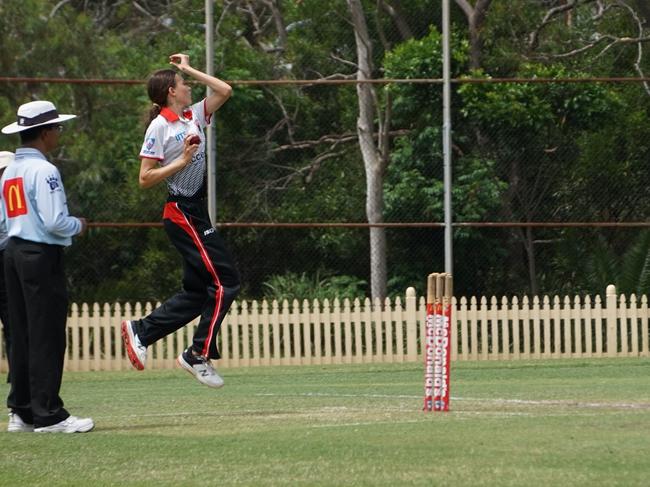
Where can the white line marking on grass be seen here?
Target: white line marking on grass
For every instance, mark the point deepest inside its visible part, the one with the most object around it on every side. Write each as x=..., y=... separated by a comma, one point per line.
x=525, y=402
x=229, y=414
x=327, y=394
x=425, y=419
x=328, y=416
x=329, y=410
x=559, y=402
x=365, y=423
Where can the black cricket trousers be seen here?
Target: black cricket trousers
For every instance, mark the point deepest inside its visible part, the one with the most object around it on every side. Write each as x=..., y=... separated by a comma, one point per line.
x=210, y=279
x=38, y=310
x=4, y=309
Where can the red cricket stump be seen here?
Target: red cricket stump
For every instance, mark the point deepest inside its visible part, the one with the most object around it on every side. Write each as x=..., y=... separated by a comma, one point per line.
x=437, y=349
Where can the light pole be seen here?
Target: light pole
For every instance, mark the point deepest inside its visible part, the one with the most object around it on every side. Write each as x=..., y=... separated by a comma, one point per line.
x=211, y=142
x=446, y=136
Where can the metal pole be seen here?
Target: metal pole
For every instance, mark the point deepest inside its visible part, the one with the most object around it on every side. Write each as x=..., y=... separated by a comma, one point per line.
x=446, y=135
x=211, y=142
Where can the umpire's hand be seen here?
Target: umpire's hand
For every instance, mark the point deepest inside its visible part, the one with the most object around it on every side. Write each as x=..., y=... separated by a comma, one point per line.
x=84, y=226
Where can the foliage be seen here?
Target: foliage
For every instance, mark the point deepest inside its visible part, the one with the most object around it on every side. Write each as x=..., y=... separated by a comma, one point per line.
x=292, y=286
x=629, y=271
x=414, y=187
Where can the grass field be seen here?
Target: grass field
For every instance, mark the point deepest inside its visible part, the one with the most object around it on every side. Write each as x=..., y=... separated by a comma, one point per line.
x=577, y=423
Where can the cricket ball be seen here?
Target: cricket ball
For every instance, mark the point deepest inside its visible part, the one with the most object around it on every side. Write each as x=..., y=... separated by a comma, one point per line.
x=195, y=139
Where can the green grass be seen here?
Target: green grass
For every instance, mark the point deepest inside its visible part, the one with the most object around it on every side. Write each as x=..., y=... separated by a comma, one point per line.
x=577, y=423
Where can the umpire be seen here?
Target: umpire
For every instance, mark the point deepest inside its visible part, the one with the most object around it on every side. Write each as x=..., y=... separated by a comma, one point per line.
x=35, y=213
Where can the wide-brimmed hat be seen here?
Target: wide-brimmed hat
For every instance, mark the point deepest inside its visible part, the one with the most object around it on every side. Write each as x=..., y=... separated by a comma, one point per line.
x=6, y=158
x=35, y=114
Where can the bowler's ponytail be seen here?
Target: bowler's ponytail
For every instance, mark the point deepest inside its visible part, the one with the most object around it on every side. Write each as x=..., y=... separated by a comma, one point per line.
x=153, y=112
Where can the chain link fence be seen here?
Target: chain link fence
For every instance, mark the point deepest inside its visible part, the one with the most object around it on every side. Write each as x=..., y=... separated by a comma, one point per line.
x=549, y=183
x=292, y=206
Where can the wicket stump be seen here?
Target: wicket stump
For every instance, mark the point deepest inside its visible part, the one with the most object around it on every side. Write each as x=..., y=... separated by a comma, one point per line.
x=437, y=350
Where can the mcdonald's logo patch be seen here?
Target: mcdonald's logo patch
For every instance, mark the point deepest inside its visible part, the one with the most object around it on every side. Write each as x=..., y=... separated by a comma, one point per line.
x=14, y=196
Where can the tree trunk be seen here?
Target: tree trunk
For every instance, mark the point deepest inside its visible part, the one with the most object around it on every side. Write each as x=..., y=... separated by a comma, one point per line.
x=644, y=9
x=529, y=243
x=278, y=20
x=475, y=45
x=475, y=20
x=395, y=12
x=374, y=163
x=524, y=237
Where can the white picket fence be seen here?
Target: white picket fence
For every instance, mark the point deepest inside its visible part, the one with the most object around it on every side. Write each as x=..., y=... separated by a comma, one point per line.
x=361, y=331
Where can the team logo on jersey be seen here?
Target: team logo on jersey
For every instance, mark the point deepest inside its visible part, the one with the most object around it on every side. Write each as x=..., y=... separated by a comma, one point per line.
x=53, y=181
x=149, y=143
x=14, y=195
x=198, y=157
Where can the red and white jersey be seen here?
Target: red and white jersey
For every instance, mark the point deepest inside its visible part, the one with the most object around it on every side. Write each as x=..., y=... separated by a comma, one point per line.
x=163, y=141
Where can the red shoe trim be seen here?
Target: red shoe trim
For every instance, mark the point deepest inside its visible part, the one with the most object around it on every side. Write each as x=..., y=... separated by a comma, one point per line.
x=133, y=357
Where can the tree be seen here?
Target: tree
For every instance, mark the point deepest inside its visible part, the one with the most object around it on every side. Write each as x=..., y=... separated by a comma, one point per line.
x=414, y=185
x=374, y=154
x=476, y=16
x=518, y=122
x=604, y=26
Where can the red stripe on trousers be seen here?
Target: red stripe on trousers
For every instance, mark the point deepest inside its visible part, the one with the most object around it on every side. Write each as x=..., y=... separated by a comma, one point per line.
x=173, y=213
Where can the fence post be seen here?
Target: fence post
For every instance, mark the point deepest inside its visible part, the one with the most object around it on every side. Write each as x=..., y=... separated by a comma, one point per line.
x=610, y=320
x=411, y=326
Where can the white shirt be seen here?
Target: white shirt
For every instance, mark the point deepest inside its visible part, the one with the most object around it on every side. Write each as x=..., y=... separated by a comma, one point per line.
x=33, y=204
x=163, y=141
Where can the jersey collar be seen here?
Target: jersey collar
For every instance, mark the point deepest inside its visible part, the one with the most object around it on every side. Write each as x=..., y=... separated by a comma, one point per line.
x=25, y=152
x=170, y=116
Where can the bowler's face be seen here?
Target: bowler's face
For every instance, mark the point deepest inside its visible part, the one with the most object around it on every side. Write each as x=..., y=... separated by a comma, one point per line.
x=183, y=91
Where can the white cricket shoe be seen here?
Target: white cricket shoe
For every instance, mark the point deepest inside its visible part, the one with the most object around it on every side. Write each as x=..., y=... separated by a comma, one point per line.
x=201, y=368
x=136, y=351
x=17, y=425
x=70, y=425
